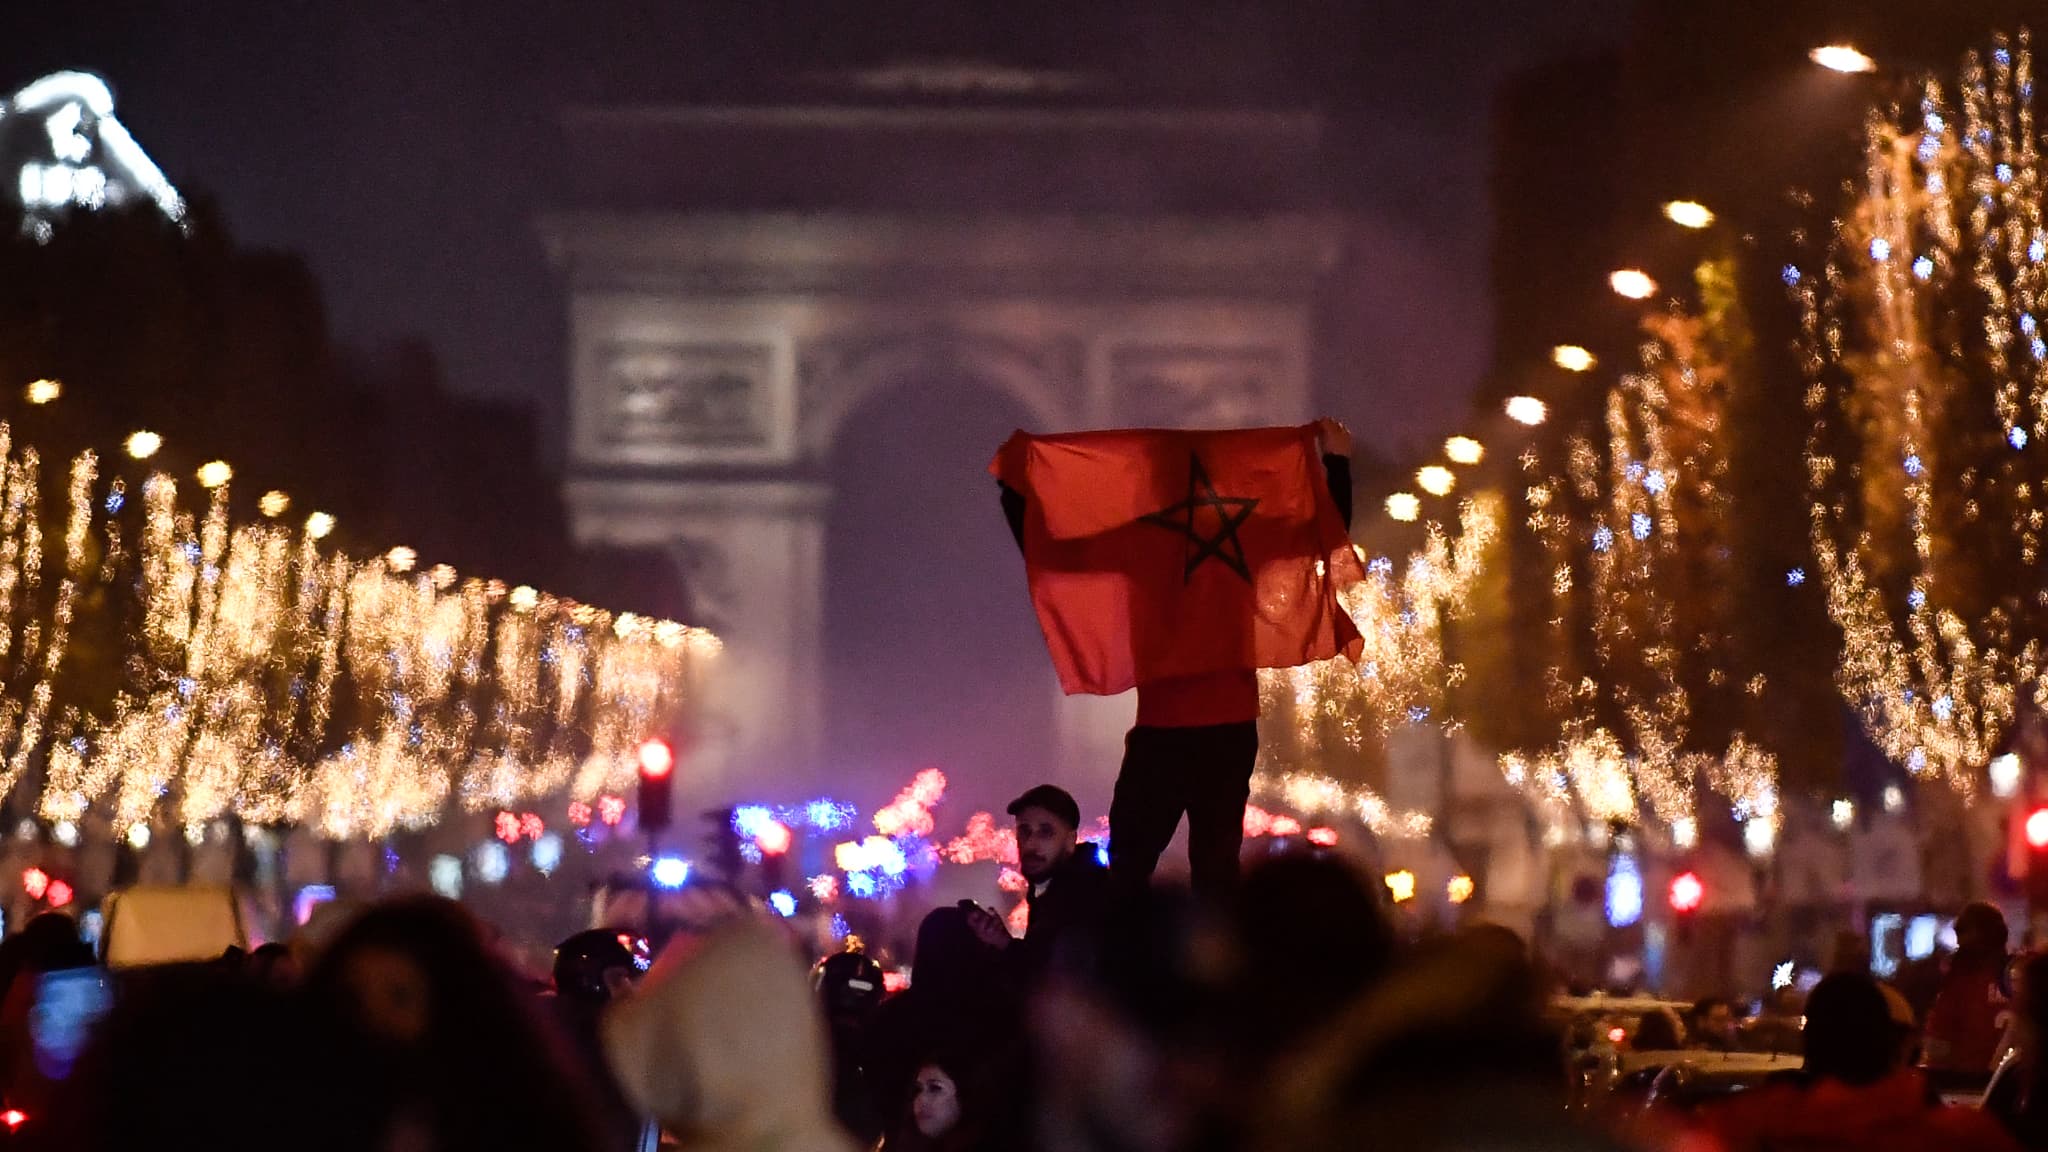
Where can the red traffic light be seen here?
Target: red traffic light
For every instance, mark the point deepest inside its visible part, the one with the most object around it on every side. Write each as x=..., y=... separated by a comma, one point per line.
x=1687, y=892
x=656, y=758
x=2037, y=828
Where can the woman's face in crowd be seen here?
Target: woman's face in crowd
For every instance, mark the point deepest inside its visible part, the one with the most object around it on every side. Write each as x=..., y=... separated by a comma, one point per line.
x=391, y=992
x=934, y=1102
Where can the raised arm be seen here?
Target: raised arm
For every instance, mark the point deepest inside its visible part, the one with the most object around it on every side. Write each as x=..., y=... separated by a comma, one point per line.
x=1336, y=465
x=1013, y=511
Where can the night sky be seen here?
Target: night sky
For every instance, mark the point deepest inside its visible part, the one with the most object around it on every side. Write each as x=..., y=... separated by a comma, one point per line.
x=405, y=147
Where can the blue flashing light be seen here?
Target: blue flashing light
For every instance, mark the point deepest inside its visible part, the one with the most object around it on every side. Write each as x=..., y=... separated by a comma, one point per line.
x=783, y=903
x=671, y=872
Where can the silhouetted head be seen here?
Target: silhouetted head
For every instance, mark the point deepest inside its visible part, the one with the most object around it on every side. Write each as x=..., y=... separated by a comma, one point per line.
x=1850, y=1034
x=1981, y=932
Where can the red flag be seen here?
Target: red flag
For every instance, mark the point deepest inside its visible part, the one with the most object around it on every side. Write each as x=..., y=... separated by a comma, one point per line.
x=1157, y=554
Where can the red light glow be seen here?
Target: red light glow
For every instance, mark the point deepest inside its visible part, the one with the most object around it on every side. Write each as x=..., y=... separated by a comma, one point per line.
x=506, y=827
x=579, y=814
x=656, y=758
x=1687, y=892
x=911, y=811
x=774, y=838
x=983, y=840
x=1012, y=881
x=14, y=1118
x=1286, y=826
x=1257, y=821
x=35, y=882
x=531, y=826
x=1323, y=837
x=60, y=894
x=610, y=809
x=2037, y=828
x=894, y=982
x=1617, y=1034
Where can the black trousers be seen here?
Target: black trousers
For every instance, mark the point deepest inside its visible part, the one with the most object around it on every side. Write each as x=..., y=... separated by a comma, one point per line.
x=1205, y=773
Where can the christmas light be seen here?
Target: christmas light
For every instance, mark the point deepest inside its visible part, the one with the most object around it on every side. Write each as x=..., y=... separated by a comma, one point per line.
x=1894, y=385
x=1571, y=358
x=1688, y=214
x=274, y=504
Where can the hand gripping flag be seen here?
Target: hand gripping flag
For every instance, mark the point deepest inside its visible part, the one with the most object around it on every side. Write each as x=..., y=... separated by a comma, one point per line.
x=1155, y=554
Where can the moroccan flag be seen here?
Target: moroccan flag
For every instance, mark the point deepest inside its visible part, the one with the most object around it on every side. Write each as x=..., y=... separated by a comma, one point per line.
x=1156, y=554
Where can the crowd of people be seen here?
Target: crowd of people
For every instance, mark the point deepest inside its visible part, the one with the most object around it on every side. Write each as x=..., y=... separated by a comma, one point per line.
x=1148, y=1021
x=1286, y=1016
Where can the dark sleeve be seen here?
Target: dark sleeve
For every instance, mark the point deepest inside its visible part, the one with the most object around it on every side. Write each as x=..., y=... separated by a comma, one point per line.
x=1013, y=511
x=1337, y=468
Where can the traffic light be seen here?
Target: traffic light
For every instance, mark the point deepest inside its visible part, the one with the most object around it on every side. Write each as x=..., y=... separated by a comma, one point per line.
x=1687, y=893
x=2034, y=830
x=657, y=762
x=722, y=845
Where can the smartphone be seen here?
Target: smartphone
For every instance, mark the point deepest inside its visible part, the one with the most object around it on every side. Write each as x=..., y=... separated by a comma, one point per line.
x=68, y=1003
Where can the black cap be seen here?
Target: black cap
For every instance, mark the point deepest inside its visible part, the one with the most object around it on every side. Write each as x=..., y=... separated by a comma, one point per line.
x=582, y=960
x=1053, y=799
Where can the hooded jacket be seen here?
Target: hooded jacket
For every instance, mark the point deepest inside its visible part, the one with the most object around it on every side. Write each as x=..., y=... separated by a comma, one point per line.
x=722, y=1045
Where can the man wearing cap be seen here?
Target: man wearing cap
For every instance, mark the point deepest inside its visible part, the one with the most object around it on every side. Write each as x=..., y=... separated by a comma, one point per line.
x=1069, y=888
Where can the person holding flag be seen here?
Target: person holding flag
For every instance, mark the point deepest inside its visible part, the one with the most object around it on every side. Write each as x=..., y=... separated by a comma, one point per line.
x=1180, y=563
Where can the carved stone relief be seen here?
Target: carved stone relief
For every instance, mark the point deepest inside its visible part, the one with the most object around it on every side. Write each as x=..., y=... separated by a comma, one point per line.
x=709, y=397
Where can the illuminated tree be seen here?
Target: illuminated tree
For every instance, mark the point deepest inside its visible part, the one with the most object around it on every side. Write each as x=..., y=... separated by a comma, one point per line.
x=1643, y=689
x=1328, y=722
x=1928, y=387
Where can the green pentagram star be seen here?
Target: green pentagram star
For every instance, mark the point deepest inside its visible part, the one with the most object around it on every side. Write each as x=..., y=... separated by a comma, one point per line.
x=1223, y=545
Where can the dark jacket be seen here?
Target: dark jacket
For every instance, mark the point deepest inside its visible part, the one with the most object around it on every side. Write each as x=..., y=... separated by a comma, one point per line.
x=1074, y=901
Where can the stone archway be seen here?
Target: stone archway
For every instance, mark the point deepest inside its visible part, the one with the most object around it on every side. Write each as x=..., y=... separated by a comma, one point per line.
x=932, y=654
x=716, y=361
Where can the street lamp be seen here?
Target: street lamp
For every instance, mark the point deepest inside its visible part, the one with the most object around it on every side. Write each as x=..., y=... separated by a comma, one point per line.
x=274, y=504
x=1633, y=283
x=143, y=445
x=1688, y=214
x=1404, y=506
x=318, y=525
x=1464, y=450
x=215, y=473
x=1527, y=410
x=43, y=391
x=1572, y=358
x=1436, y=480
x=1842, y=58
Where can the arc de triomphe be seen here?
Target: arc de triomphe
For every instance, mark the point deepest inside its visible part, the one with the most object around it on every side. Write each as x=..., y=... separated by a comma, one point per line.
x=716, y=349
